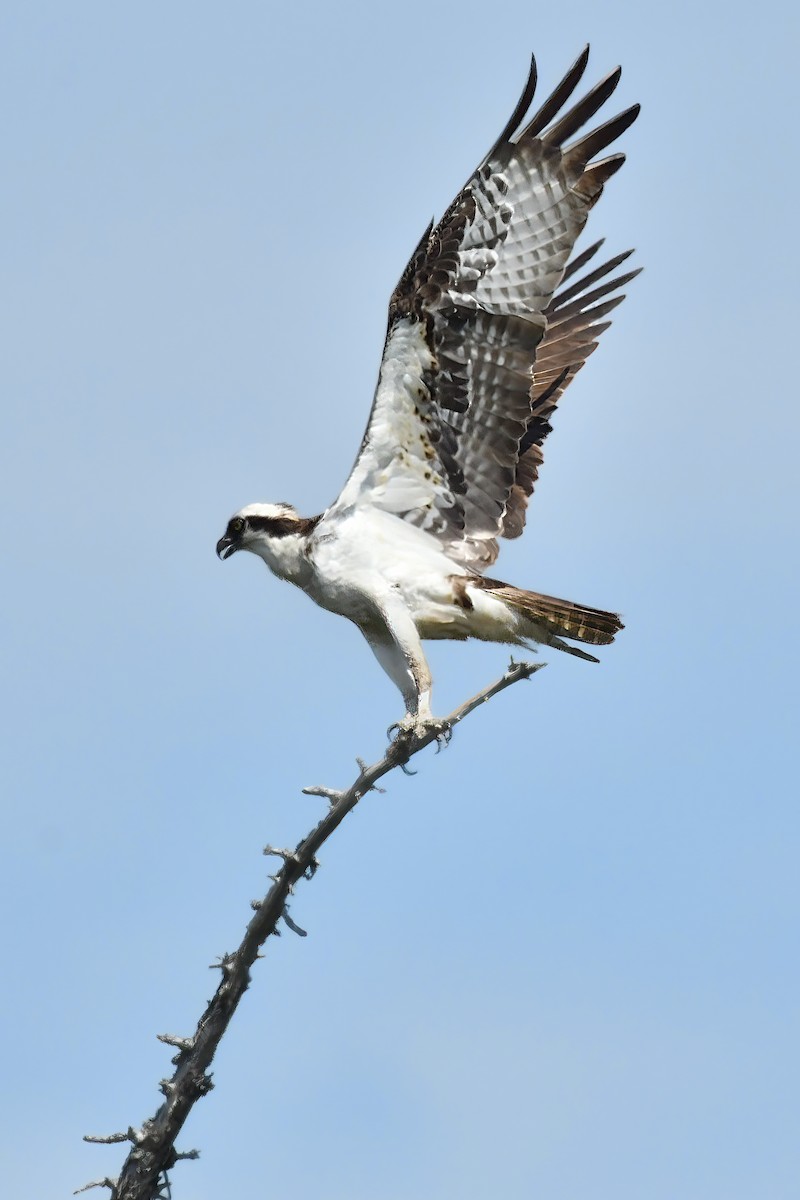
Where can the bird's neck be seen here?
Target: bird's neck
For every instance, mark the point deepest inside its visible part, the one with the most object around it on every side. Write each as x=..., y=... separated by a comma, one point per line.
x=286, y=557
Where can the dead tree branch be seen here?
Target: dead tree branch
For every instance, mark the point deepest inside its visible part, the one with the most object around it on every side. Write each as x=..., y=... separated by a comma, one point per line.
x=153, y=1153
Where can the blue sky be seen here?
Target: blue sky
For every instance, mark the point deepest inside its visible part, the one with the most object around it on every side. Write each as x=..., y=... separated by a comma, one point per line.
x=562, y=960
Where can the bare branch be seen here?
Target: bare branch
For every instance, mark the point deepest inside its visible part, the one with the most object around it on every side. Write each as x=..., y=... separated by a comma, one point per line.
x=153, y=1152
x=110, y=1139
x=171, y=1039
x=286, y=855
x=333, y=795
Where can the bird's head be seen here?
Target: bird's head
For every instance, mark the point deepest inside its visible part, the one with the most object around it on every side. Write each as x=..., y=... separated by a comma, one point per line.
x=274, y=532
x=258, y=525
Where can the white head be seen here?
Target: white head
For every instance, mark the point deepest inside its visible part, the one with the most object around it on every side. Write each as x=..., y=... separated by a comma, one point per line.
x=275, y=532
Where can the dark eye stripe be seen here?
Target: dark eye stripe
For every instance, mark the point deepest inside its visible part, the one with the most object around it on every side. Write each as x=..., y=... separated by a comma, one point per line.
x=274, y=526
x=282, y=526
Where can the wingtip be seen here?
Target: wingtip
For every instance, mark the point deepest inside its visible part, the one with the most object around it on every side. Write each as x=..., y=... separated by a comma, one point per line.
x=580, y=64
x=520, y=110
x=627, y=118
x=532, y=80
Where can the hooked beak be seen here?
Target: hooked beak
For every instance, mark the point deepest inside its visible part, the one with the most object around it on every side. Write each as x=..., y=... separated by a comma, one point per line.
x=226, y=546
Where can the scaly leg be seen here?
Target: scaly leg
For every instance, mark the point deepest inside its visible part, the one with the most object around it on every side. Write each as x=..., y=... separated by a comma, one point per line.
x=398, y=648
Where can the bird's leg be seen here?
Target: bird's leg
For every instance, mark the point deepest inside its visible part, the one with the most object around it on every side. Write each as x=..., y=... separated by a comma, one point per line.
x=399, y=651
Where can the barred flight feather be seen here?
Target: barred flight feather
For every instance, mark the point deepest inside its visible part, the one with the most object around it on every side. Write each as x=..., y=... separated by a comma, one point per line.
x=480, y=343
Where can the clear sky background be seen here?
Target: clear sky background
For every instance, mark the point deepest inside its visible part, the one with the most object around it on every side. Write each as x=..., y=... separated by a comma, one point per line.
x=562, y=960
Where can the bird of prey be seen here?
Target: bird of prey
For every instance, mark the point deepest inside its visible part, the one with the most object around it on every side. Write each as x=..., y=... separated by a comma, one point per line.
x=490, y=321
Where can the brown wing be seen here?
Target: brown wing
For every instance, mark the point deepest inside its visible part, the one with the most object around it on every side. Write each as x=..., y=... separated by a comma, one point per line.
x=456, y=423
x=575, y=320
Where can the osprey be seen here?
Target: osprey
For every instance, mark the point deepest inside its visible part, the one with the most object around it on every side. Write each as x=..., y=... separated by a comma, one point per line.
x=491, y=320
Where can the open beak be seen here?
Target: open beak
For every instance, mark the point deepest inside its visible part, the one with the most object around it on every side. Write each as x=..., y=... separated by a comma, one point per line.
x=226, y=547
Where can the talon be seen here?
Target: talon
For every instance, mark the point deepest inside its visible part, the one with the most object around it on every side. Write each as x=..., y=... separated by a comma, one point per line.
x=444, y=735
x=405, y=730
x=413, y=728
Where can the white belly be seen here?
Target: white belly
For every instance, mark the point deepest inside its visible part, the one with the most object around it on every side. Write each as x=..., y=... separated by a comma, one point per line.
x=365, y=556
x=369, y=552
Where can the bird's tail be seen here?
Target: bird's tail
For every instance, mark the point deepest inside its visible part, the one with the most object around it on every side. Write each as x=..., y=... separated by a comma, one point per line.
x=554, y=619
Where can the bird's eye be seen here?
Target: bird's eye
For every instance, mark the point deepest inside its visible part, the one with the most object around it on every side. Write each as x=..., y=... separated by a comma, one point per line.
x=237, y=525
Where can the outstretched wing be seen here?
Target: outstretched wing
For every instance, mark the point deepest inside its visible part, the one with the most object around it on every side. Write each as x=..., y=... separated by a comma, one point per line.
x=480, y=345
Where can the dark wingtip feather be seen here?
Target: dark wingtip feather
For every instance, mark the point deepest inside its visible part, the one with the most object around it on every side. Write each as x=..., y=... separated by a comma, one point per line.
x=597, y=175
x=563, y=295
x=583, y=301
x=559, y=96
x=522, y=106
x=584, y=110
x=582, y=151
x=581, y=260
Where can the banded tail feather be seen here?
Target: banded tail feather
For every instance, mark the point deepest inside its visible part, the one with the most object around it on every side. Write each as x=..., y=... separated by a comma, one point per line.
x=560, y=618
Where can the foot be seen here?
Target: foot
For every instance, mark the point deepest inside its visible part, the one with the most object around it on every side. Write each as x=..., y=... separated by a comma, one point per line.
x=413, y=728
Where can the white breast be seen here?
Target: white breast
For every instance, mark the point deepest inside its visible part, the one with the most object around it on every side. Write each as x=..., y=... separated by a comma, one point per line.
x=363, y=553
